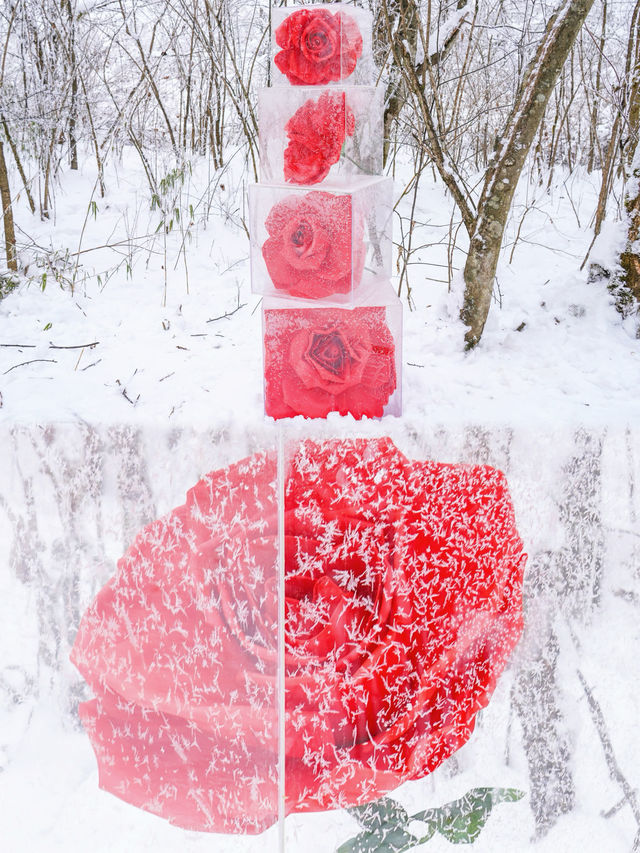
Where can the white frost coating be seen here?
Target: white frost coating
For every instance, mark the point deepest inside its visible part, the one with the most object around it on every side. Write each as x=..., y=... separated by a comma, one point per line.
x=438, y=38
x=512, y=130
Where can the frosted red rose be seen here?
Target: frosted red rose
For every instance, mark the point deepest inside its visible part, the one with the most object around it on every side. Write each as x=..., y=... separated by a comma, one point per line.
x=316, y=134
x=314, y=248
x=403, y=601
x=318, y=47
x=328, y=360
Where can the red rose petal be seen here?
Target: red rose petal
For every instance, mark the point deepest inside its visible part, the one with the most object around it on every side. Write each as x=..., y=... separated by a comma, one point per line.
x=316, y=134
x=404, y=594
x=318, y=47
x=309, y=252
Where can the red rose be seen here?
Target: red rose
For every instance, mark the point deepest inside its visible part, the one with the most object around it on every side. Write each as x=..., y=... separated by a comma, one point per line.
x=316, y=135
x=176, y=650
x=403, y=584
x=403, y=601
x=328, y=360
x=312, y=250
x=318, y=47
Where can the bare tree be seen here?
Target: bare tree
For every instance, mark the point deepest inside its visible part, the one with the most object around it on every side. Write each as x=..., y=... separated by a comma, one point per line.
x=623, y=138
x=630, y=258
x=5, y=190
x=486, y=220
x=510, y=151
x=7, y=214
x=623, y=157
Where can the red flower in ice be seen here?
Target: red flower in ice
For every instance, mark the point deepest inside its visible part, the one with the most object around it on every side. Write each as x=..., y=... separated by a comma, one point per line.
x=328, y=360
x=312, y=250
x=403, y=601
x=403, y=585
x=316, y=135
x=318, y=47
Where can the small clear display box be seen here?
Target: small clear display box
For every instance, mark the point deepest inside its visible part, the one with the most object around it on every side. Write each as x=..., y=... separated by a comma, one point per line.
x=325, y=357
x=321, y=45
x=319, y=243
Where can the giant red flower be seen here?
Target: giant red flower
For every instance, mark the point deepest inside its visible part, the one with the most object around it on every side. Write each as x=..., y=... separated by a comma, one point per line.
x=402, y=604
x=328, y=360
x=318, y=47
x=316, y=134
x=312, y=249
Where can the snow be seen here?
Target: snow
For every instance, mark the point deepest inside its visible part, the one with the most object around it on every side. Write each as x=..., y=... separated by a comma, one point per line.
x=438, y=39
x=152, y=349
x=160, y=342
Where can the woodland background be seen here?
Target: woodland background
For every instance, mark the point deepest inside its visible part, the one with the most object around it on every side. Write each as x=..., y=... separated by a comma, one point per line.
x=130, y=361
x=174, y=82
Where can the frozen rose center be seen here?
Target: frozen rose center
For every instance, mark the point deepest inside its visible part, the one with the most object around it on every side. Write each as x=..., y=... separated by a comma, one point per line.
x=318, y=43
x=303, y=235
x=330, y=352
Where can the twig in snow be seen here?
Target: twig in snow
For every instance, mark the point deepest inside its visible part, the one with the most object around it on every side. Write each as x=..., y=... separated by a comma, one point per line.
x=128, y=398
x=614, y=809
x=614, y=770
x=228, y=313
x=33, y=361
x=76, y=346
x=19, y=346
x=93, y=364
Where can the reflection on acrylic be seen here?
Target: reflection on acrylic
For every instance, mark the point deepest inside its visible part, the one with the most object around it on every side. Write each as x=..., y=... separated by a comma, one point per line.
x=403, y=601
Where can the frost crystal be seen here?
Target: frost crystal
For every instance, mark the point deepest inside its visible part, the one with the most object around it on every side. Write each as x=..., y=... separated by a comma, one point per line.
x=402, y=603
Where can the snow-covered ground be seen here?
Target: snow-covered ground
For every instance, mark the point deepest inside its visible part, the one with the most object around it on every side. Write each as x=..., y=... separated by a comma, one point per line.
x=163, y=359
x=145, y=345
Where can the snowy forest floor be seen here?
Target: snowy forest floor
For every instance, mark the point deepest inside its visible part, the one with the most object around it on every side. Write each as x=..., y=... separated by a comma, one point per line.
x=153, y=369
x=162, y=349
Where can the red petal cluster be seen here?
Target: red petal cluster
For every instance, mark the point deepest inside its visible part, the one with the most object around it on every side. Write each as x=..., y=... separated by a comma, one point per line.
x=318, y=47
x=403, y=601
x=316, y=134
x=312, y=246
x=328, y=360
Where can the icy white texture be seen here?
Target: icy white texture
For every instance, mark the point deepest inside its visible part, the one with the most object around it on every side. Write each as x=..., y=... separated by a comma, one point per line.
x=76, y=496
x=84, y=467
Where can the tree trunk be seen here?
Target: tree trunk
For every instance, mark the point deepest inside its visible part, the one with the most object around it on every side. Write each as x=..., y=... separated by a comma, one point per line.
x=18, y=161
x=632, y=94
x=510, y=152
x=593, y=128
x=630, y=258
x=405, y=22
x=7, y=214
x=73, y=145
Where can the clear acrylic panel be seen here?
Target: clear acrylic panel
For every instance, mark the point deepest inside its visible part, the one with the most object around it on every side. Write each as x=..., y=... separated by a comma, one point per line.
x=160, y=581
x=310, y=136
x=365, y=505
x=312, y=244
x=403, y=603
x=321, y=45
x=320, y=357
